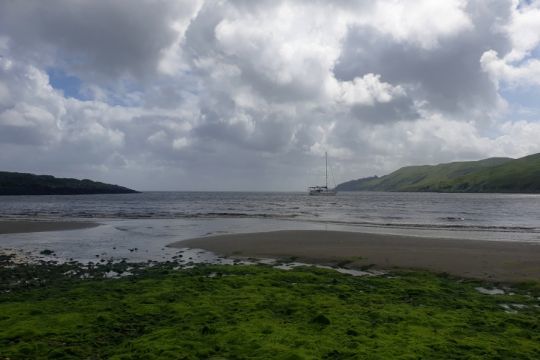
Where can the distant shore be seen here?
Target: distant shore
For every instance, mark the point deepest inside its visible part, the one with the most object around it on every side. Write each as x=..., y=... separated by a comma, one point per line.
x=487, y=260
x=27, y=226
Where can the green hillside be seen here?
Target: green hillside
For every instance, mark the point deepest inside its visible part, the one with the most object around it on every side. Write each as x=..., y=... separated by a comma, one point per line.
x=488, y=175
x=13, y=183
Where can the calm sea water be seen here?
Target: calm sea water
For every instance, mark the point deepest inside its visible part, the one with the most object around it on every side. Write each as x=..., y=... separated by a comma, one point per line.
x=151, y=220
x=475, y=211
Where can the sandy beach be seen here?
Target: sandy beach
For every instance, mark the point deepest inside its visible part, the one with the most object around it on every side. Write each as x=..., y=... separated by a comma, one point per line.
x=486, y=260
x=26, y=226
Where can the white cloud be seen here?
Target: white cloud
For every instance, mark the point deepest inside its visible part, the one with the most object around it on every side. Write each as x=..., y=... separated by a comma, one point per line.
x=422, y=22
x=517, y=67
x=367, y=90
x=518, y=138
x=293, y=59
x=527, y=73
x=180, y=143
x=523, y=29
x=172, y=58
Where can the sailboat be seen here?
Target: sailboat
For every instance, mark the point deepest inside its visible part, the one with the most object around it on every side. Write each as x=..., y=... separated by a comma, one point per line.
x=323, y=190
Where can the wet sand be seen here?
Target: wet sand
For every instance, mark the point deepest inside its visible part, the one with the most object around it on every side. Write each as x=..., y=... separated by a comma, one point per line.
x=486, y=260
x=25, y=226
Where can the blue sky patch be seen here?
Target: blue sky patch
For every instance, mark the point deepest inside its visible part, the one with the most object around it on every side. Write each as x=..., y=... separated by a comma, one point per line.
x=523, y=102
x=70, y=85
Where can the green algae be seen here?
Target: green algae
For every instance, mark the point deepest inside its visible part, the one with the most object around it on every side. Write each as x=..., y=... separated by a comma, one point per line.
x=258, y=312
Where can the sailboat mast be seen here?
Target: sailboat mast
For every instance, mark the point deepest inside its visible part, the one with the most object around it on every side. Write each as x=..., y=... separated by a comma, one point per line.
x=326, y=167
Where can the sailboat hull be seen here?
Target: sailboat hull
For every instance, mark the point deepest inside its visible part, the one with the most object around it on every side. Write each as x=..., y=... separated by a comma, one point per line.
x=322, y=192
x=330, y=193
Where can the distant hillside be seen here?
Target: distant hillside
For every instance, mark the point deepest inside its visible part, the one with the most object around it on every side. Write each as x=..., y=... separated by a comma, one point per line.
x=12, y=183
x=503, y=175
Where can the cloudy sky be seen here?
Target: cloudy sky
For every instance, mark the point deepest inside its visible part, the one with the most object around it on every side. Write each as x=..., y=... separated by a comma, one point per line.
x=248, y=95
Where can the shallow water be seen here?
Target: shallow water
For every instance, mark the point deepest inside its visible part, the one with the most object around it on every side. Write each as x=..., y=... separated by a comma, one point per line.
x=139, y=226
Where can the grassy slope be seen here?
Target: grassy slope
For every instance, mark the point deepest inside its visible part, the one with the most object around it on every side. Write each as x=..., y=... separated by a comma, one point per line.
x=12, y=183
x=258, y=312
x=521, y=174
x=421, y=178
x=489, y=175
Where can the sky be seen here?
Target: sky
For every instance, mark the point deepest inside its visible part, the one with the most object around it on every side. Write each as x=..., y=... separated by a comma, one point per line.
x=247, y=95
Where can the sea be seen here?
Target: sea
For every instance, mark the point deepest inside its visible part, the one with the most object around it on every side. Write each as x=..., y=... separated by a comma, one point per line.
x=137, y=227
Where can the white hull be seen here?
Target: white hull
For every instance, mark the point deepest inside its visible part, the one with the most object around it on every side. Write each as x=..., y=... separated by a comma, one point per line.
x=322, y=192
x=327, y=193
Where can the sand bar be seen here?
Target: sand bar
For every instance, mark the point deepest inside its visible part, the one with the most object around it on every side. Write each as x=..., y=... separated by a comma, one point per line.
x=27, y=226
x=487, y=260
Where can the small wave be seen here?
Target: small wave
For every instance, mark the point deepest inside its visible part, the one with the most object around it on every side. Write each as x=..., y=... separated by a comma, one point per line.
x=147, y=215
x=239, y=215
x=452, y=218
x=452, y=227
x=219, y=232
x=393, y=217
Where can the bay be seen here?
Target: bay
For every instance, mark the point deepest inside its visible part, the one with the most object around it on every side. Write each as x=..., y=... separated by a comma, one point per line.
x=149, y=221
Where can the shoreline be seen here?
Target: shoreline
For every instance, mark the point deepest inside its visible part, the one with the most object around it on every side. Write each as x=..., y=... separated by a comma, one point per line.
x=30, y=226
x=503, y=261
